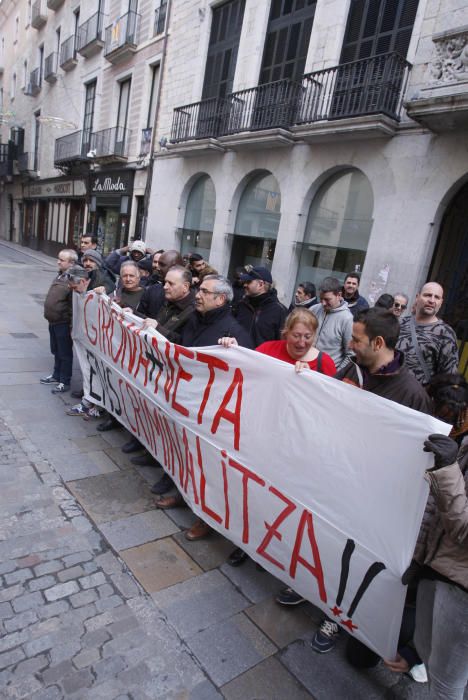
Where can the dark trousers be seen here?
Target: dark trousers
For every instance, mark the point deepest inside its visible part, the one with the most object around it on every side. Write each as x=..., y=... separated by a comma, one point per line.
x=61, y=347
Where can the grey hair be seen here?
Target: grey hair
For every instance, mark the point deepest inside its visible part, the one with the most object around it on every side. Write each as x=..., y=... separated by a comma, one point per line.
x=184, y=273
x=130, y=263
x=223, y=286
x=72, y=255
x=401, y=294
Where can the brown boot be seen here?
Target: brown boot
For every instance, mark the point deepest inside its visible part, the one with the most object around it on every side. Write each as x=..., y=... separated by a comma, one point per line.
x=167, y=502
x=198, y=531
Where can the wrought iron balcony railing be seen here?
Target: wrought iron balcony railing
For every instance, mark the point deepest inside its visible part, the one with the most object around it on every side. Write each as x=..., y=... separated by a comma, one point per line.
x=68, y=53
x=199, y=120
x=89, y=37
x=70, y=148
x=370, y=86
x=160, y=15
x=267, y=106
x=110, y=143
x=122, y=36
x=50, y=68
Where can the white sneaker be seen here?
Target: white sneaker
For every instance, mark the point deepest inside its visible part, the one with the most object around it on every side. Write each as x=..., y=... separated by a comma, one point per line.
x=418, y=673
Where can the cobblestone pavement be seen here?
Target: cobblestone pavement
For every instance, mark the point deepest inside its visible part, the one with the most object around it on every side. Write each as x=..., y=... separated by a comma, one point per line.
x=101, y=595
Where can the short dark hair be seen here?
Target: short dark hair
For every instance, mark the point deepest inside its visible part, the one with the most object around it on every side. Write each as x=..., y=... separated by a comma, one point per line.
x=450, y=390
x=94, y=239
x=309, y=288
x=330, y=284
x=355, y=275
x=195, y=257
x=385, y=301
x=380, y=322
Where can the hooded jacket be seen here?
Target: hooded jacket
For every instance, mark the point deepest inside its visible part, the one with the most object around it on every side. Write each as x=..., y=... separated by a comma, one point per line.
x=356, y=304
x=262, y=316
x=334, y=332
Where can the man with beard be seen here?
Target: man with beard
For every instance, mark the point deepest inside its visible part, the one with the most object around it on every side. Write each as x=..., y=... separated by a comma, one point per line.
x=260, y=312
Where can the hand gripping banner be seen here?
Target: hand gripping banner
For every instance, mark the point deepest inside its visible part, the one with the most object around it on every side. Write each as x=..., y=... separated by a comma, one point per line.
x=318, y=481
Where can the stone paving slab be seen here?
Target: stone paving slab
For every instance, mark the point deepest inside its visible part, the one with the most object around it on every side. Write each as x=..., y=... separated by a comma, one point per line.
x=254, y=584
x=138, y=529
x=268, y=680
x=158, y=565
x=209, y=553
x=84, y=464
x=281, y=624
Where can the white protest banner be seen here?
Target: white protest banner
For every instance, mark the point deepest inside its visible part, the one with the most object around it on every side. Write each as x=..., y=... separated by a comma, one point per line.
x=320, y=482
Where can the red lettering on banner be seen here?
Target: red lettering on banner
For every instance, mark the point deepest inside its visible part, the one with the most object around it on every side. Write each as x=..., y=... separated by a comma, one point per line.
x=246, y=475
x=92, y=340
x=106, y=326
x=132, y=344
x=181, y=374
x=189, y=471
x=213, y=363
x=296, y=558
x=155, y=345
x=231, y=416
x=133, y=427
x=227, y=511
x=142, y=361
x=272, y=530
x=175, y=447
x=204, y=507
x=170, y=372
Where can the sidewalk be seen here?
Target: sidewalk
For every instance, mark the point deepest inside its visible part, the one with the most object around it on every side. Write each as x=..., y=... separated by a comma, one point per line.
x=102, y=596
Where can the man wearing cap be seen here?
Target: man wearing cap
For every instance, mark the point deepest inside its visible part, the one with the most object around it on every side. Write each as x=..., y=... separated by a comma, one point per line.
x=199, y=268
x=136, y=252
x=58, y=312
x=260, y=312
x=98, y=276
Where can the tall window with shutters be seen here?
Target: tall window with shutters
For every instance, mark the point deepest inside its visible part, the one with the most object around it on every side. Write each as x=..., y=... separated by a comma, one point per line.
x=221, y=60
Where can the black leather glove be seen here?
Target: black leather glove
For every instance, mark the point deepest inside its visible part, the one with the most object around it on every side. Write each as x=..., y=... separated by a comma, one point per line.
x=445, y=450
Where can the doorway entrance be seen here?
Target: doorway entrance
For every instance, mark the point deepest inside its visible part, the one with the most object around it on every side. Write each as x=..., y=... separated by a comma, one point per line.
x=450, y=268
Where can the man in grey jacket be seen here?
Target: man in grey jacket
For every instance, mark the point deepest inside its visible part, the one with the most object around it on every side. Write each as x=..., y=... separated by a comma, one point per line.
x=335, y=322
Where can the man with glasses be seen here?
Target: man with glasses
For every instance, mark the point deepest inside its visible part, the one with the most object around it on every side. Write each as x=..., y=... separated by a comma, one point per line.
x=400, y=304
x=212, y=320
x=260, y=312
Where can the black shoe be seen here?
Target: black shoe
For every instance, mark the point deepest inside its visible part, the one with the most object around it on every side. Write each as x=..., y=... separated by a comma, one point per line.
x=133, y=445
x=145, y=460
x=109, y=424
x=162, y=486
x=237, y=558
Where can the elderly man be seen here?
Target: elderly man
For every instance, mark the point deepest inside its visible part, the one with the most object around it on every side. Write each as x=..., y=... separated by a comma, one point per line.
x=58, y=312
x=260, y=312
x=429, y=344
x=211, y=321
x=400, y=304
x=335, y=322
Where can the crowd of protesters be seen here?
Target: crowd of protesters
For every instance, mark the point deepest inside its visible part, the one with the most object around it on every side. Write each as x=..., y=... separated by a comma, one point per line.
x=405, y=354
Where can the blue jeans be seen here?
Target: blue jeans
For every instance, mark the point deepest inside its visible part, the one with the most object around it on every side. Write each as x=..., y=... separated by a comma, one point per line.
x=61, y=347
x=441, y=637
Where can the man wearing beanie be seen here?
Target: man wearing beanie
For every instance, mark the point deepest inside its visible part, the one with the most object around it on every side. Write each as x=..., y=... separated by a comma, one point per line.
x=135, y=252
x=98, y=276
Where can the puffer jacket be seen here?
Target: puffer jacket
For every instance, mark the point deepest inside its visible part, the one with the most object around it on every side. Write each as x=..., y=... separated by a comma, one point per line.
x=58, y=302
x=443, y=538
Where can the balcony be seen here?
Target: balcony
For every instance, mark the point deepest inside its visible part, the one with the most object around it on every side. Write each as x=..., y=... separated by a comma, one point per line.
x=35, y=82
x=110, y=145
x=442, y=104
x=70, y=150
x=358, y=99
x=199, y=123
x=122, y=37
x=50, y=68
x=160, y=15
x=54, y=4
x=89, y=38
x=38, y=14
x=68, y=58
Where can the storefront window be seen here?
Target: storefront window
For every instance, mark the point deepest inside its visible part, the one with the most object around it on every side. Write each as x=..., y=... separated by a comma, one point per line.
x=257, y=223
x=338, y=228
x=199, y=219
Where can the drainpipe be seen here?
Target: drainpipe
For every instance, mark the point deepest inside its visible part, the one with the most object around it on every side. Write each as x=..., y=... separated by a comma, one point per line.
x=149, y=178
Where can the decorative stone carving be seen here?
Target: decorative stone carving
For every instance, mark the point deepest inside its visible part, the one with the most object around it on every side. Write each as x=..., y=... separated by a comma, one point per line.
x=450, y=63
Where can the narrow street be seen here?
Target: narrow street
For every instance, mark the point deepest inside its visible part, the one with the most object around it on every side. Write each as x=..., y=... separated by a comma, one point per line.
x=101, y=595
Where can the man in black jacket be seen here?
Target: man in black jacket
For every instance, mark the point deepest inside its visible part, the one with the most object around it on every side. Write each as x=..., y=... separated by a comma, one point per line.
x=153, y=297
x=212, y=320
x=98, y=275
x=260, y=312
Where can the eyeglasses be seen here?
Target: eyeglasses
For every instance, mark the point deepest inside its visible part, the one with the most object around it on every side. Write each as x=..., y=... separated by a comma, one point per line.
x=399, y=306
x=205, y=291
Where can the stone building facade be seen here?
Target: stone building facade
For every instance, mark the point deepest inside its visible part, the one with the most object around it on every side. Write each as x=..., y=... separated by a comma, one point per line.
x=333, y=137
x=79, y=92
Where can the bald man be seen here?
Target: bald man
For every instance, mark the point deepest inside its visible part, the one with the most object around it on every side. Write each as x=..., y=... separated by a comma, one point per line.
x=153, y=297
x=429, y=344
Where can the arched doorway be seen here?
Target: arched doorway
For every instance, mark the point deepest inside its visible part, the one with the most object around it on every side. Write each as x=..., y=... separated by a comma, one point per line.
x=338, y=228
x=449, y=267
x=257, y=223
x=199, y=218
